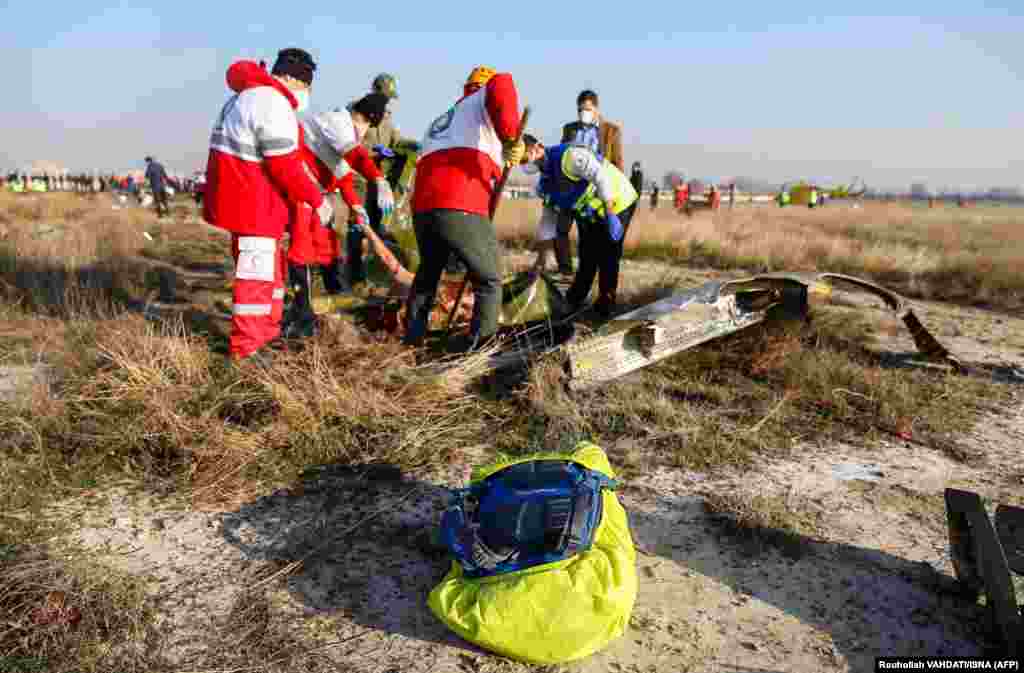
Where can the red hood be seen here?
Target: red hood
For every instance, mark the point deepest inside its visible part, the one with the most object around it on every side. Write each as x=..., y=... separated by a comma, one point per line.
x=244, y=75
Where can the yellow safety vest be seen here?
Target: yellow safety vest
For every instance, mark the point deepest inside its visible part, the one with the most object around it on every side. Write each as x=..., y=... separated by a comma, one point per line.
x=623, y=193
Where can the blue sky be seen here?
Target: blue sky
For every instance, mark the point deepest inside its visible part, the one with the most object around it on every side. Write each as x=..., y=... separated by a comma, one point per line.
x=772, y=90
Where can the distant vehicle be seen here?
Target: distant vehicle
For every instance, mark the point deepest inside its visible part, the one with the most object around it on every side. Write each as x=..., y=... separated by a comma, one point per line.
x=800, y=192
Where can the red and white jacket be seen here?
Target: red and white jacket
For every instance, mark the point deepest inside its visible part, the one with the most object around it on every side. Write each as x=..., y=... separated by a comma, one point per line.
x=331, y=150
x=461, y=158
x=254, y=171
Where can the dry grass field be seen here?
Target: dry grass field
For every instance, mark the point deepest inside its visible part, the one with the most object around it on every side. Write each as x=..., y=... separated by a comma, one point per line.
x=124, y=396
x=970, y=256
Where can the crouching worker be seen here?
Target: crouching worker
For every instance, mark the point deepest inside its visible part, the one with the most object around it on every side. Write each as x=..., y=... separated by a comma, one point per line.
x=255, y=176
x=544, y=566
x=462, y=157
x=331, y=149
x=577, y=180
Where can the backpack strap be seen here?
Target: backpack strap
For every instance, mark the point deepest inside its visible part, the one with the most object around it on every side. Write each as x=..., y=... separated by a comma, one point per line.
x=559, y=515
x=588, y=510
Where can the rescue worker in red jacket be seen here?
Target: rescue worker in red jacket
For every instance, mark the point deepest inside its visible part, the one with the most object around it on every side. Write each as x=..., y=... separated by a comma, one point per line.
x=254, y=175
x=462, y=156
x=331, y=148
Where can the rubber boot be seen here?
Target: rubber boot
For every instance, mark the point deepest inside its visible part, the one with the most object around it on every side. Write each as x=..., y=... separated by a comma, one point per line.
x=299, y=320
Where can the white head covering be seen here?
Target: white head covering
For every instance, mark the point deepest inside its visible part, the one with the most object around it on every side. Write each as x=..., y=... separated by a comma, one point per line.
x=331, y=136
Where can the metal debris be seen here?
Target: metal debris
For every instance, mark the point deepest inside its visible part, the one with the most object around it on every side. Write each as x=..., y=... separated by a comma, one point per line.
x=714, y=310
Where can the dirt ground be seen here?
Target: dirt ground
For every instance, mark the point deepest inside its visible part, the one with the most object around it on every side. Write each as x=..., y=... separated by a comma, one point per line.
x=340, y=562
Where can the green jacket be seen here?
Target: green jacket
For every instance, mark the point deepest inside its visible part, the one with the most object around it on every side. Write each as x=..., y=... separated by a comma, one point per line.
x=385, y=134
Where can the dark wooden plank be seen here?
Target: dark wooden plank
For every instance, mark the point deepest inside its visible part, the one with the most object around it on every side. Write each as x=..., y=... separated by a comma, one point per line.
x=1010, y=527
x=991, y=564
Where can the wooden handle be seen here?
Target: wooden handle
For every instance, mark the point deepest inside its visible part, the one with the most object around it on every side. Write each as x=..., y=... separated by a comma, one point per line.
x=500, y=187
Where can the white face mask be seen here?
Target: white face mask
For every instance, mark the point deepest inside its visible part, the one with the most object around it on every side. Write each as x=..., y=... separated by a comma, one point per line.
x=302, y=97
x=588, y=116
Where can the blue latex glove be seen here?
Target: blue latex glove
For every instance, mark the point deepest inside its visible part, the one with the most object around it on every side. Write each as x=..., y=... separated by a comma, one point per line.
x=615, y=227
x=383, y=151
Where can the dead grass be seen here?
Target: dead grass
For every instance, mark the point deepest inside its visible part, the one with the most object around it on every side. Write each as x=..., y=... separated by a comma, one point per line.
x=967, y=256
x=766, y=391
x=69, y=615
x=190, y=245
x=65, y=255
x=154, y=402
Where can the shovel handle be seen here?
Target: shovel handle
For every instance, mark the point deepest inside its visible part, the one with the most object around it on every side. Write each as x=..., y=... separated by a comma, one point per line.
x=499, y=188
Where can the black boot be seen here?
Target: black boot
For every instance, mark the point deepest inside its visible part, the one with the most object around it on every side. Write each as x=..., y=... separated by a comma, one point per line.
x=417, y=318
x=563, y=254
x=334, y=279
x=354, y=248
x=299, y=320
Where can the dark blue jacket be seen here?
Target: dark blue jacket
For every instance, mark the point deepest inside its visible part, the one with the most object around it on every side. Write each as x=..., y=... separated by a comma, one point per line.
x=156, y=175
x=555, y=188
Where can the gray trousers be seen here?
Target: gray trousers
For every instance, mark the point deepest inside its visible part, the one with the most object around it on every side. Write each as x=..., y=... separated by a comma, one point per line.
x=472, y=239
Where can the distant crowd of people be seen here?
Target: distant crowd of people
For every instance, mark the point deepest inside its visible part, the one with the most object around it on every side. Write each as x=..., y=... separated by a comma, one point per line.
x=155, y=182
x=17, y=181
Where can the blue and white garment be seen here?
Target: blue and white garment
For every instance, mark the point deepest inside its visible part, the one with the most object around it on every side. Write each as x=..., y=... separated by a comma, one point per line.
x=588, y=135
x=568, y=171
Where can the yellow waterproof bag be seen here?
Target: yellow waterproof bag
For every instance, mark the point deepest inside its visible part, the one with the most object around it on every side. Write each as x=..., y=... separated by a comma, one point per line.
x=552, y=612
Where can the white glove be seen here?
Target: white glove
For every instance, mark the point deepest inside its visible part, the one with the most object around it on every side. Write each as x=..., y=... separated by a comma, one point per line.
x=385, y=199
x=326, y=212
x=362, y=217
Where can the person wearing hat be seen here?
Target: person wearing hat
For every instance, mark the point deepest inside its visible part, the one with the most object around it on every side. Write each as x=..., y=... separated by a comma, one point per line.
x=393, y=156
x=578, y=182
x=332, y=150
x=254, y=178
x=463, y=154
x=601, y=136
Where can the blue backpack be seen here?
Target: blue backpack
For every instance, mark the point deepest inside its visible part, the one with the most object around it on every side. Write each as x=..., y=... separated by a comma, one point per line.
x=524, y=515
